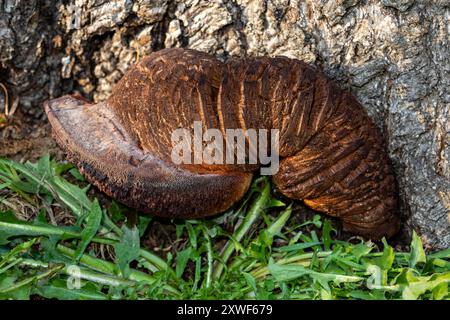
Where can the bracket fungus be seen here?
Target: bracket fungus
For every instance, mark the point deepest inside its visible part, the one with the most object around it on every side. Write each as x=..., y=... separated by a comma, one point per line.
x=331, y=154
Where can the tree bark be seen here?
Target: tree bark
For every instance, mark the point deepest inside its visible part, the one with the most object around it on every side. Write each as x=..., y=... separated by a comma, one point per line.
x=393, y=54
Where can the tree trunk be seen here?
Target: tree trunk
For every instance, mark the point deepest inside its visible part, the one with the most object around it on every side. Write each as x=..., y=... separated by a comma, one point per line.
x=393, y=54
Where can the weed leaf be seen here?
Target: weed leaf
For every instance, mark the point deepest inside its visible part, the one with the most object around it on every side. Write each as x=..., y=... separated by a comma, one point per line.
x=127, y=249
x=93, y=221
x=417, y=255
x=182, y=260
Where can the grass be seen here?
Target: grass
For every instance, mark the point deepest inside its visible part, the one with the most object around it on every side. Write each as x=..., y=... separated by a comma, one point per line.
x=58, y=242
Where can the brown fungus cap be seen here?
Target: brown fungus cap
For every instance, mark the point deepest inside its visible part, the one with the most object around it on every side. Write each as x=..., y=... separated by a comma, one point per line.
x=332, y=155
x=105, y=154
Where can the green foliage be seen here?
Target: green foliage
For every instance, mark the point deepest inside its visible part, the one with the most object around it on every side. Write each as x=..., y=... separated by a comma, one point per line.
x=93, y=220
x=267, y=256
x=127, y=250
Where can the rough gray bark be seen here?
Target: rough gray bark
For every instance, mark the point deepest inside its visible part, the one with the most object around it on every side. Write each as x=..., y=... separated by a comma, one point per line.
x=393, y=54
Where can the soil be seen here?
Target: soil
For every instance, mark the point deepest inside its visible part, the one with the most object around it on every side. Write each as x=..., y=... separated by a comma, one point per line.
x=23, y=138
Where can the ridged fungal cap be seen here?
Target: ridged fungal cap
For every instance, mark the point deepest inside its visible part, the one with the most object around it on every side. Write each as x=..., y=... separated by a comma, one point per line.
x=332, y=156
